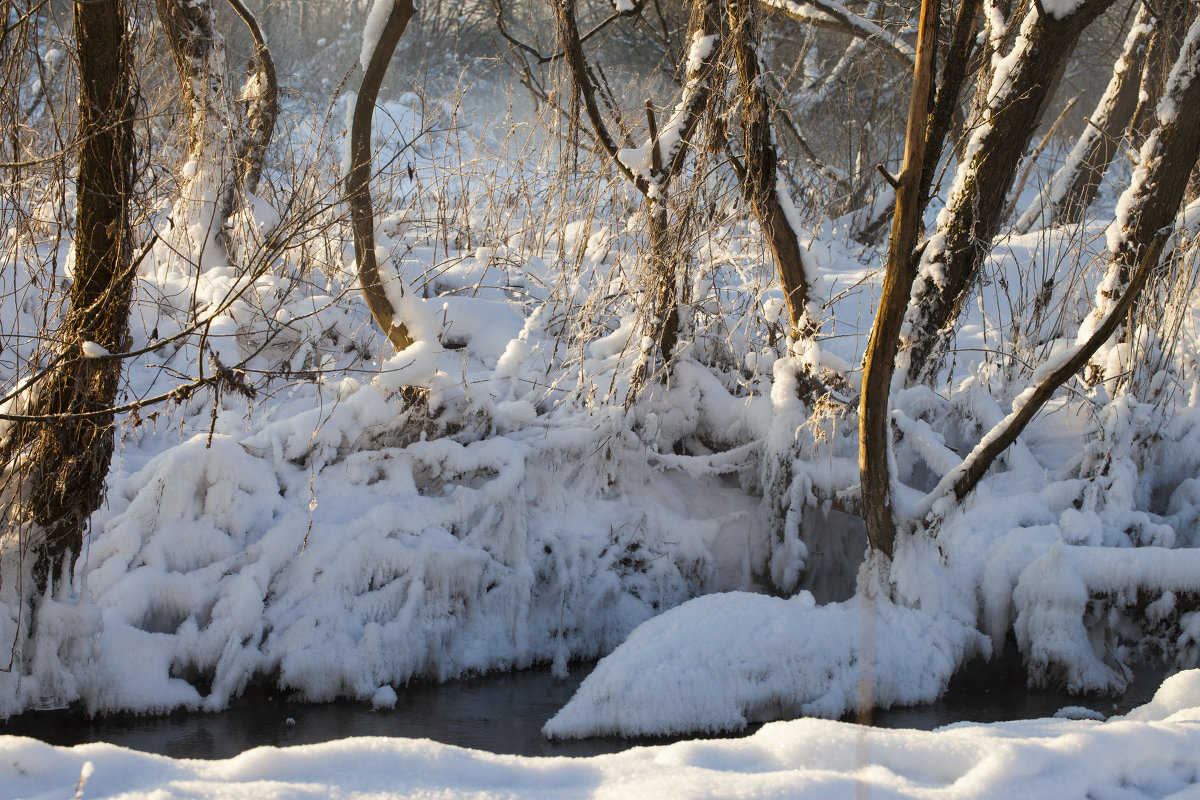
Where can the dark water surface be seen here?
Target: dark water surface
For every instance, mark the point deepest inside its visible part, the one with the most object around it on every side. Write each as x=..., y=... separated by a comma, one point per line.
x=504, y=713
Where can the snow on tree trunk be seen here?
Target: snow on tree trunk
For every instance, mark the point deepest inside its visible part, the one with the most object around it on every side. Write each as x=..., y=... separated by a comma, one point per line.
x=1145, y=211
x=652, y=167
x=1174, y=19
x=1073, y=187
x=1008, y=115
x=383, y=32
x=261, y=98
x=209, y=175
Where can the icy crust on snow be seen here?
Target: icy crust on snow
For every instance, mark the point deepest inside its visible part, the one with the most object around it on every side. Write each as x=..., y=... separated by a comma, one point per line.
x=1154, y=751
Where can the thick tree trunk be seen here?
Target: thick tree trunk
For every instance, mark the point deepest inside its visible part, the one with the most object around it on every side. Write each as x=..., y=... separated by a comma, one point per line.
x=358, y=190
x=1136, y=241
x=62, y=459
x=1009, y=114
x=1147, y=209
x=1073, y=187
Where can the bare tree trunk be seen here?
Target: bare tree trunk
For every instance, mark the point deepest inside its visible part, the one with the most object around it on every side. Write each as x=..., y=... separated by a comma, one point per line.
x=1011, y=109
x=63, y=456
x=261, y=96
x=1073, y=187
x=874, y=437
x=358, y=190
x=946, y=103
x=761, y=181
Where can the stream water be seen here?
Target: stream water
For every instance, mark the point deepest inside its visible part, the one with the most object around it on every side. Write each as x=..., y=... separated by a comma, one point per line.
x=504, y=713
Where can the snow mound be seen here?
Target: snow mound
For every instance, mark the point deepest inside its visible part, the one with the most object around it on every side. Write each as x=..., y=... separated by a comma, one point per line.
x=721, y=661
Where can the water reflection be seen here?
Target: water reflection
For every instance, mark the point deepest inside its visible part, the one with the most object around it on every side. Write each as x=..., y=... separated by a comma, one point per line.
x=504, y=713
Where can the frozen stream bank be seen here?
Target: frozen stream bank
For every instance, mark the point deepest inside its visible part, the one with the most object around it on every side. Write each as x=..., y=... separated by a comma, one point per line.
x=504, y=713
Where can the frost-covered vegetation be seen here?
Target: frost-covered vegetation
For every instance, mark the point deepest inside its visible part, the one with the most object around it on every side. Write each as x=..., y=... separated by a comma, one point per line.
x=610, y=422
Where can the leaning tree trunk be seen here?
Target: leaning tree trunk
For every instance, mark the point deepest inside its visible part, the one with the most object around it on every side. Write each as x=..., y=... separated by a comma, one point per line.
x=1009, y=114
x=1136, y=241
x=1073, y=186
x=1160, y=180
x=60, y=448
x=358, y=190
x=874, y=437
x=760, y=178
x=955, y=71
x=1174, y=19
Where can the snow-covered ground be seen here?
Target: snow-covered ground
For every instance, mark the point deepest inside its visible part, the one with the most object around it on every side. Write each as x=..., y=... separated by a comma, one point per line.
x=331, y=536
x=1154, y=751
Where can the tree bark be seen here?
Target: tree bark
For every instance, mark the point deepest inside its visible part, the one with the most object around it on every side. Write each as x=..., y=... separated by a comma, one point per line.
x=1073, y=187
x=261, y=96
x=198, y=52
x=1174, y=19
x=358, y=190
x=761, y=181
x=62, y=462
x=946, y=103
x=1009, y=114
x=1137, y=238
x=874, y=431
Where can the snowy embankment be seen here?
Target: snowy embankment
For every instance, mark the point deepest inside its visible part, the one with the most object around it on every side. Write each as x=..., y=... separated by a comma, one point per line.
x=335, y=539
x=1154, y=751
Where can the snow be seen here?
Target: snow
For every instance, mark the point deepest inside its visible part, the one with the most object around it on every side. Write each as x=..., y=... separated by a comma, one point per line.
x=377, y=19
x=93, y=350
x=500, y=495
x=1152, y=751
x=1060, y=9
x=718, y=662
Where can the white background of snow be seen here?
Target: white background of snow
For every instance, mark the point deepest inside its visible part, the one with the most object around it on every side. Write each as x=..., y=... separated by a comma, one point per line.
x=1154, y=751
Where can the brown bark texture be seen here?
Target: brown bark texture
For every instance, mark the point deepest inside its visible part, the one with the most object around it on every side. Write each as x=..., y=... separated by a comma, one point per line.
x=61, y=462
x=1073, y=187
x=1005, y=123
x=358, y=189
x=760, y=178
x=874, y=438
